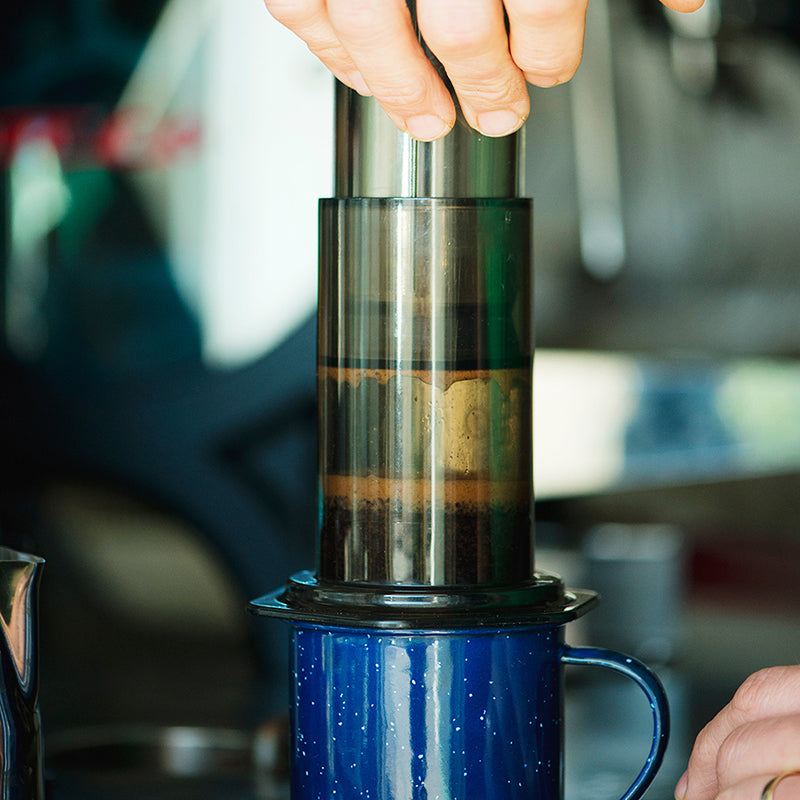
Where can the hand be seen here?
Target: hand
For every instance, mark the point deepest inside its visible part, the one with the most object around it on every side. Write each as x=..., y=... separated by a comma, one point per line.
x=753, y=739
x=370, y=45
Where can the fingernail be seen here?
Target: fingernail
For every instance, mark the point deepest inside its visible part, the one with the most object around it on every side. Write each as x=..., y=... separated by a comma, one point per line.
x=356, y=80
x=682, y=787
x=498, y=123
x=427, y=127
x=543, y=81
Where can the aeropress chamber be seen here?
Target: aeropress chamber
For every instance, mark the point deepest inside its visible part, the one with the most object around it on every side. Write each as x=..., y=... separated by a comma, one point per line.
x=427, y=653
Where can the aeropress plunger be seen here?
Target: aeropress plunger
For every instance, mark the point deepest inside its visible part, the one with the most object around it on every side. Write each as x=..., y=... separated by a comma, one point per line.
x=426, y=652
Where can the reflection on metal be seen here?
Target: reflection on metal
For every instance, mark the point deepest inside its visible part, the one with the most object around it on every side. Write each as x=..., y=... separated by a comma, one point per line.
x=380, y=161
x=424, y=376
x=21, y=747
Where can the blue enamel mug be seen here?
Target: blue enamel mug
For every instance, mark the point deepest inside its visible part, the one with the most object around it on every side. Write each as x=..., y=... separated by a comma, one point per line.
x=452, y=715
x=419, y=694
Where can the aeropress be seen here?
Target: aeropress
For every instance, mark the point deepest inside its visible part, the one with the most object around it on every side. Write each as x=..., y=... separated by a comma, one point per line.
x=427, y=653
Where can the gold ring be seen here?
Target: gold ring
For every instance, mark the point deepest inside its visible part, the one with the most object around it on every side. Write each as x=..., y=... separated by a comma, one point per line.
x=770, y=788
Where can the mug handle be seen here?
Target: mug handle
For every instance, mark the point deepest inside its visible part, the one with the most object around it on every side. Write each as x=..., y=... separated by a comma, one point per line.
x=650, y=685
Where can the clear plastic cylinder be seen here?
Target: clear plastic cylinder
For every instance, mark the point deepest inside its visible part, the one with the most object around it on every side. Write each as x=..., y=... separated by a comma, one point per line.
x=425, y=391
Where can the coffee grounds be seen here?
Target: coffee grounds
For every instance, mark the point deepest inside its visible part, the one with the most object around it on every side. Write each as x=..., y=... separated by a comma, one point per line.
x=382, y=542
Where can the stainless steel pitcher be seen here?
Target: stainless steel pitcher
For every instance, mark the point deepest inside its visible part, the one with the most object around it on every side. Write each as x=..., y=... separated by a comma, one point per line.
x=20, y=734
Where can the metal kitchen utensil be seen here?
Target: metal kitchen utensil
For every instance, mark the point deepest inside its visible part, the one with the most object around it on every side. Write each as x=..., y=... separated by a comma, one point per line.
x=20, y=736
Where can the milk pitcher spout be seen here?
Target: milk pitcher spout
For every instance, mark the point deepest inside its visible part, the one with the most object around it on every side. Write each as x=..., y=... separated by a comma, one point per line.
x=20, y=735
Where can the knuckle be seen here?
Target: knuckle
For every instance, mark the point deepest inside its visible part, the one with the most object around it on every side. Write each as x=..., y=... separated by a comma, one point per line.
x=705, y=751
x=755, y=690
x=550, y=44
x=546, y=12
x=408, y=89
x=409, y=95
x=457, y=38
x=290, y=12
x=729, y=748
x=559, y=67
x=772, y=742
x=454, y=30
x=329, y=52
x=355, y=19
x=500, y=94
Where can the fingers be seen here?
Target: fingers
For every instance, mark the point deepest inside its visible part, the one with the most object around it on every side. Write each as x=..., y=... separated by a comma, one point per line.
x=469, y=39
x=546, y=38
x=768, y=746
x=769, y=693
x=685, y=6
x=371, y=46
x=751, y=789
x=379, y=37
x=309, y=20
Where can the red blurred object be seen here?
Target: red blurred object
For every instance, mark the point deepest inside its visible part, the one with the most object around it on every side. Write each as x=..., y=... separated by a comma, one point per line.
x=754, y=572
x=88, y=137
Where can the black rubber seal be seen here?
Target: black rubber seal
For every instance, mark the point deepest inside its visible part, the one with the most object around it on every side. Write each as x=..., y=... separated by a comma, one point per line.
x=542, y=601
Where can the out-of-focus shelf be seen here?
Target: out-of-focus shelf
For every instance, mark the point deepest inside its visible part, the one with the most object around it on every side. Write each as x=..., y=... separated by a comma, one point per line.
x=608, y=424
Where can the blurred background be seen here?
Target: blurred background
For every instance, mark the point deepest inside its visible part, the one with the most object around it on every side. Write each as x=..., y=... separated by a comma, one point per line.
x=161, y=166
